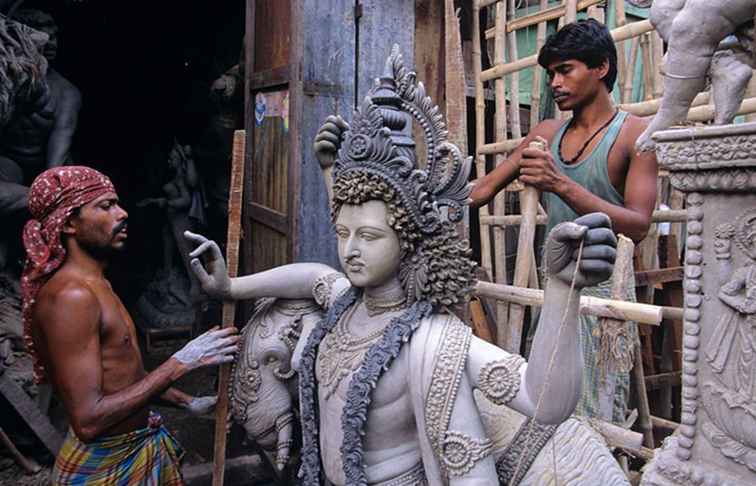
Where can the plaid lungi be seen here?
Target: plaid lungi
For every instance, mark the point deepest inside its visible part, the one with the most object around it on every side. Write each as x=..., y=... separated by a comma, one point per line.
x=144, y=457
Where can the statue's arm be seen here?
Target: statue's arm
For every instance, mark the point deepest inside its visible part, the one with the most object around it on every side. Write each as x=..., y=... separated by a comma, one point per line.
x=293, y=281
x=66, y=120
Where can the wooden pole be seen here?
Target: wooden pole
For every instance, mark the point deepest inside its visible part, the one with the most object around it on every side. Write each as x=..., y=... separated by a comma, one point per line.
x=514, y=79
x=535, y=93
x=620, y=20
x=570, y=11
x=500, y=102
x=229, y=307
x=480, y=136
x=648, y=69
x=593, y=306
x=529, y=210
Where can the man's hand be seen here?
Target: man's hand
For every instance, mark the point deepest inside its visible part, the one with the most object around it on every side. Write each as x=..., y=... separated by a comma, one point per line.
x=328, y=140
x=537, y=168
x=201, y=405
x=215, y=347
x=216, y=283
x=599, y=250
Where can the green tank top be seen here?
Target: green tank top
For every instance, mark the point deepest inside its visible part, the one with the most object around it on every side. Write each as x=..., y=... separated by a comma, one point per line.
x=590, y=173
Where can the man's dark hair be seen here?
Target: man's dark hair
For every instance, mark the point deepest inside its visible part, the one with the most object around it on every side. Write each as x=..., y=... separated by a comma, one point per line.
x=587, y=41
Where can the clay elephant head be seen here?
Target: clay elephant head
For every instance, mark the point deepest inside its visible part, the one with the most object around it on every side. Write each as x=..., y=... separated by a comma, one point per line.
x=264, y=385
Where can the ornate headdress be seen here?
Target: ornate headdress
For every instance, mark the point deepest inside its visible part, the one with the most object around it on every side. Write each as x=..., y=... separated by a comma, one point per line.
x=379, y=146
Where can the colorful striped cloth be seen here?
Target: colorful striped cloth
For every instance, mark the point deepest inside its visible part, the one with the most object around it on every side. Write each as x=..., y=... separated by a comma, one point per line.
x=145, y=457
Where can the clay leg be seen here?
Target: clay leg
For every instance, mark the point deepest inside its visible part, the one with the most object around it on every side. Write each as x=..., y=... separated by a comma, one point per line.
x=729, y=80
x=13, y=200
x=691, y=45
x=179, y=224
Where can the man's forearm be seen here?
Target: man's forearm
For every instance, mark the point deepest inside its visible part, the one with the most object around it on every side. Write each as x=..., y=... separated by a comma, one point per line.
x=561, y=387
x=628, y=222
x=487, y=186
x=111, y=409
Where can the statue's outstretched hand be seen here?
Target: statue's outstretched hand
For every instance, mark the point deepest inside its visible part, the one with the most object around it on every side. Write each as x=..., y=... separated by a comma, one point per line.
x=214, y=347
x=328, y=140
x=201, y=405
x=213, y=276
x=599, y=250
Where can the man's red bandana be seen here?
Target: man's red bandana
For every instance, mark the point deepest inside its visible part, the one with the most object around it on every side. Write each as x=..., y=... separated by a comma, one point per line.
x=53, y=196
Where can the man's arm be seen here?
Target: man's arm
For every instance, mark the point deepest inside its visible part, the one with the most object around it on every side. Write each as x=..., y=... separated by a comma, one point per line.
x=537, y=168
x=73, y=346
x=488, y=186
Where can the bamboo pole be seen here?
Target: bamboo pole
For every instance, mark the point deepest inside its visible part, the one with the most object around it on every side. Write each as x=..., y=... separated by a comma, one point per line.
x=229, y=307
x=627, y=89
x=658, y=216
x=594, y=306
x=529, y=210
x=542, y=15
x=570, y=11
x=514, y=79
x=648, y=70
x=628, y=31
x=480, y=133
x=500, y=249
x=706, y=112
x=535, y=93
x=621, y=20
x=657, y=55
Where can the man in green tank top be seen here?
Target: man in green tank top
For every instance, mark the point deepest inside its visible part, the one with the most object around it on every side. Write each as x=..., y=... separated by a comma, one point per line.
x=591, y=165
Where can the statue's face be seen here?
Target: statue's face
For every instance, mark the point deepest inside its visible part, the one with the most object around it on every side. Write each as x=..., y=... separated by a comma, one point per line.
x=369, y=248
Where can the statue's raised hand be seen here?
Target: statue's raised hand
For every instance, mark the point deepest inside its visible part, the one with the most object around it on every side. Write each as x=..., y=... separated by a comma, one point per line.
x=599, y=250
x=213, y=275
x=328, y=140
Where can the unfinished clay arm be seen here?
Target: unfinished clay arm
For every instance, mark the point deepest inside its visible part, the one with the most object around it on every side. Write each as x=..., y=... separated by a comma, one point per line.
x=294, y=281
x=554, y=373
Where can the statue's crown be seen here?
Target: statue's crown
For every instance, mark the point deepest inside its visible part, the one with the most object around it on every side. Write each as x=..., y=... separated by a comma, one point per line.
x=380, y=142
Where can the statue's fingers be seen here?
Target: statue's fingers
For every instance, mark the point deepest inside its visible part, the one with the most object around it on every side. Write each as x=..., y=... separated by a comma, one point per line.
x=207, y=245
x=194, y=237
x=328, y=137
x=597, y=252
x=594, y=220
x=201, y=273
x=341, y=123
x=600, y=236
x=567, y=231
x=596, y=267
x=329, y=127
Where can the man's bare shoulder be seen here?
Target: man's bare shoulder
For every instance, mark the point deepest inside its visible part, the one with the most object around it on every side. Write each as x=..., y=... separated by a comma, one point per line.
x=633, y=127
x=547, y=128
x=66, y=298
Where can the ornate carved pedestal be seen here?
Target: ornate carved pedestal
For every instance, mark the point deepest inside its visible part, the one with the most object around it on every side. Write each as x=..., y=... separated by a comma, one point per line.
x=716, y=442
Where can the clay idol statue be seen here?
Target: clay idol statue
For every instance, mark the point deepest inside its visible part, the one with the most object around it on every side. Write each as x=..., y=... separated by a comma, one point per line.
x=393, y=388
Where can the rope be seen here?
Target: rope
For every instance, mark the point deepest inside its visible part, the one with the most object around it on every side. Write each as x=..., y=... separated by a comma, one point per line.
x=547, y=382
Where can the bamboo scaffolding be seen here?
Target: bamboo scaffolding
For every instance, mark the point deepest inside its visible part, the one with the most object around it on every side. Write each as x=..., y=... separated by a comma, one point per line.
x=480, y=132
x=543, y=15
x=595, y=306
x=570, y=11
x=620, y=20
x=627, y=89
x=619, y=34
x=500, y=118
x=535, y=93
x=657, y=56
x=514, y=79
x=658, y=216
x=648, y=69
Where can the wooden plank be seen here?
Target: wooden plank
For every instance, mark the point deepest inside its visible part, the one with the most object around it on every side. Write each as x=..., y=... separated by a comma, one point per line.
x=270, y=77
x=595, y=306
x=456, y=100
x=619, y=34
x=272, y=34
x=228, y=313
x=654, y=277
x=661, y=380
x=479, y=321
x=269, y=217
x=30, y=413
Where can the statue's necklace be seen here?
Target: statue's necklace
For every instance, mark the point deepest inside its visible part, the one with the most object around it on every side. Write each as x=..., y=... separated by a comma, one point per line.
x=376, y=306
x=585, y=145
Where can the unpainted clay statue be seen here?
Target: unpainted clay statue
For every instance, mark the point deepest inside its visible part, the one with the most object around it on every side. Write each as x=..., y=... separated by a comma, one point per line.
x=393, y=388
x=704, y=37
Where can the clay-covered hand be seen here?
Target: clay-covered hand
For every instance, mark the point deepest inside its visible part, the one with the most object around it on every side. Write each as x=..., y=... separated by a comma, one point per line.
x=599, y=250
x=214, y=347
x=213, y=275
x=201, y=405
x=328, y=140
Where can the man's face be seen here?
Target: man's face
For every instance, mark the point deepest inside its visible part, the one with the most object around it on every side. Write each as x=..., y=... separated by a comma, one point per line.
x=574, y=84
x=100, y=225
x=368, y=247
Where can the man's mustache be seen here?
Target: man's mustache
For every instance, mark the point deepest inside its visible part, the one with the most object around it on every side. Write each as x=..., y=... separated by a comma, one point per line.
x=120, y=227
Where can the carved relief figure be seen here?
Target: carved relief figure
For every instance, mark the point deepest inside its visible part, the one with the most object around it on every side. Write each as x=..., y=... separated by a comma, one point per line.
x=731, y=352
x=391, y=383
x=697, y=49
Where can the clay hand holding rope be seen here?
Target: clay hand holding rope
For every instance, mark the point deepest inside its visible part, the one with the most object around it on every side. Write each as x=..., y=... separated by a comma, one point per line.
x=214, y=347
x=214, y=280
x=328, y=140
x=598, y=252
x=201, y=405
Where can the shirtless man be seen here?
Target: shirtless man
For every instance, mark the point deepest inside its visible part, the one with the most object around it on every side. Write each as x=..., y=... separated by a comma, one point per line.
x=81, y=337
x=591, y=165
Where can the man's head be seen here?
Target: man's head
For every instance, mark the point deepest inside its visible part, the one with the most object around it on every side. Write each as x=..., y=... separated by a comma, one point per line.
x=98, y=227
x=581, y=60
x=43, y=22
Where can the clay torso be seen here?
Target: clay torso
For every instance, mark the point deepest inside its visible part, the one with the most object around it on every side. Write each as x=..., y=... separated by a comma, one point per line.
x=391, y=442
x=24, y=139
